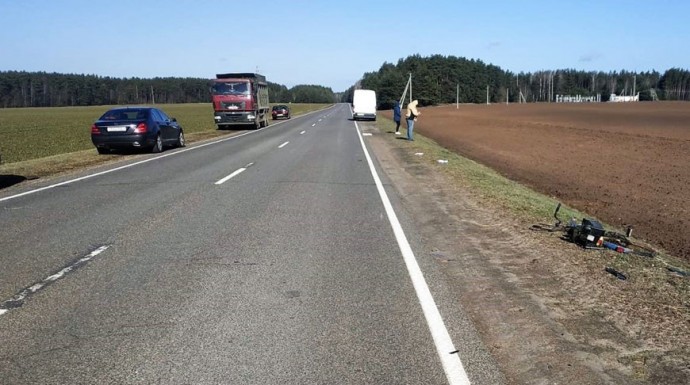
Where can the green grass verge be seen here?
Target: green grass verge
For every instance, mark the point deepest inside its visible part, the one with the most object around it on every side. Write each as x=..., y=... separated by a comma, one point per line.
x=38, y=142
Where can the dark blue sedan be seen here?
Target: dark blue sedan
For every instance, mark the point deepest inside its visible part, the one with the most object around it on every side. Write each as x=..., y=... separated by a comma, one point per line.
x=136, y=127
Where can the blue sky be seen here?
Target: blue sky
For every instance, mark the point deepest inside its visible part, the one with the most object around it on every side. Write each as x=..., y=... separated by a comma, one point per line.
x=333, y=43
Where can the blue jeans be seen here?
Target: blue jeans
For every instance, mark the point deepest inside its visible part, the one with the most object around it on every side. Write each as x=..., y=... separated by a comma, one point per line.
x=410, y=128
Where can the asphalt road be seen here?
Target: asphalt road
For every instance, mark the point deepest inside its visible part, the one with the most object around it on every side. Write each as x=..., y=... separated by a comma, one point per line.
x=262, y=259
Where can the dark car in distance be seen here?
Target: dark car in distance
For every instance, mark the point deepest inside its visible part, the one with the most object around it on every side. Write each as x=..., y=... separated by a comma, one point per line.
x=280, y=111
x=136, y=127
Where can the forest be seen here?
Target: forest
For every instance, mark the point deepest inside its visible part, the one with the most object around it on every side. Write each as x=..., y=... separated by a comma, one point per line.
x=436, y=79
x=441, y=79
x=40, y=89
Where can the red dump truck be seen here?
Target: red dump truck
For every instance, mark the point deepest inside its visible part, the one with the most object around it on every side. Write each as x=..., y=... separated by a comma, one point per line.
x=240, y=99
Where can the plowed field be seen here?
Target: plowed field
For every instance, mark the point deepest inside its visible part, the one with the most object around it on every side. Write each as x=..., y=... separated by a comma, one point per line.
x=627, y=164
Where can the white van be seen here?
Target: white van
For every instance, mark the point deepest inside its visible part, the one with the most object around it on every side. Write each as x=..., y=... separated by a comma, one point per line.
x=364, y=105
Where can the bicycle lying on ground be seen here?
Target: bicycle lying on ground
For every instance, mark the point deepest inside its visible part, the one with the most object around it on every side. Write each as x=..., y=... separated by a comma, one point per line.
x=590, y=234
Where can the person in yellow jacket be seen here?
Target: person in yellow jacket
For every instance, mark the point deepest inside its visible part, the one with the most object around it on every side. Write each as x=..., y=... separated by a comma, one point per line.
x=411, y=116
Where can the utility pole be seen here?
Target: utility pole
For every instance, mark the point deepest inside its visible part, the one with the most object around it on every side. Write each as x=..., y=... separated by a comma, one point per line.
x=457, y=97
x=407, y=86
x=153, y=96
x=487, y=95
x=517, y=84
x=410, y=86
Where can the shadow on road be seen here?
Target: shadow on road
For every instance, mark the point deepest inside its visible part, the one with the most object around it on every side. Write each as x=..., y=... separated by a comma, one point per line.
x=10, y=180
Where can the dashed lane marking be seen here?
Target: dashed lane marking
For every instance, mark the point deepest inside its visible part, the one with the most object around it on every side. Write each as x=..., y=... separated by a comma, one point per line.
x=23, y=295
x=235, y=173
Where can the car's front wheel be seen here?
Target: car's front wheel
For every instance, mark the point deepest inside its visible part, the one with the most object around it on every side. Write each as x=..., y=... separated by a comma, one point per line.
x=180, y=140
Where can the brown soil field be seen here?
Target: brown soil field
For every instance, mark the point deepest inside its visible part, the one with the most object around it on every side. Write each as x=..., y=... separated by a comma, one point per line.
x=546, y=310
x=627, y=164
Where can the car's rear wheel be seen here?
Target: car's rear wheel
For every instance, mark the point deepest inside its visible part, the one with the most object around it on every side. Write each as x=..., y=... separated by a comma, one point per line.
x=102, y=150
x=180, y=139
x=158, y=145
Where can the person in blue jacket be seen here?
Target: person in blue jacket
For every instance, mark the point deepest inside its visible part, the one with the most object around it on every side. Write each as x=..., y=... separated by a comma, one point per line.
x=396, y=117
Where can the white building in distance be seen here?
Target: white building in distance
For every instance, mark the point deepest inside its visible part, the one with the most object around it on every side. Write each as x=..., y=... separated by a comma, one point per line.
x=622, y=99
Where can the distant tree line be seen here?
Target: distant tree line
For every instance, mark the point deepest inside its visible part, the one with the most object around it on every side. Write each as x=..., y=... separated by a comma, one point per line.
x=41, y=89
x=312, y=94
x=440, y=79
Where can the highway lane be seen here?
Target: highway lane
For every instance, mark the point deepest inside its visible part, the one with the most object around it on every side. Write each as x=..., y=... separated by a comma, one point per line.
x=287, y=272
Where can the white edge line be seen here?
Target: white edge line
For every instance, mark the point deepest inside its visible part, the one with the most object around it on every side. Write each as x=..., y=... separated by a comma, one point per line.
x=455, y=372
x=138, y=163
x=234, y=174
x=283, y=145
x=3, y=311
